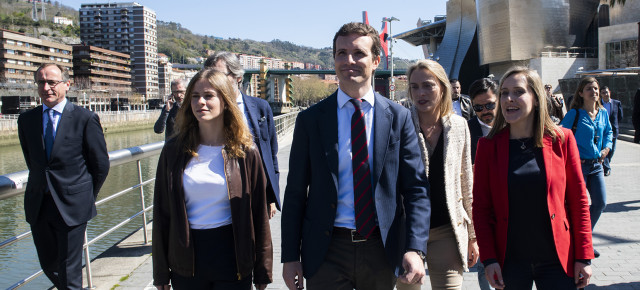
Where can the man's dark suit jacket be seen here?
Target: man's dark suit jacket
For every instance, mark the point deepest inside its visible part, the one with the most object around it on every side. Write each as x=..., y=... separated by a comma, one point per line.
x=476, y=133
x=399, y=184
x=615, y=116
x=264, y=131
x=466, y=108
x=78, y=166
x=166, y=121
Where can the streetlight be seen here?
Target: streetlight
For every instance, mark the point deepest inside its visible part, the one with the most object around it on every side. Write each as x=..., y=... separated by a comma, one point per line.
x=392, y=86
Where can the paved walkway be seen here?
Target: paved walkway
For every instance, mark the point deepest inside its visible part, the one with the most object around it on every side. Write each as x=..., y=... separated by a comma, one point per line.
x=617, y=235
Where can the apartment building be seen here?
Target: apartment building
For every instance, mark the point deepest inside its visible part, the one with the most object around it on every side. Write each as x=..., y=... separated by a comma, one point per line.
x=164, y=75
x=21, y=55
x=101, y=69
x=127, y=28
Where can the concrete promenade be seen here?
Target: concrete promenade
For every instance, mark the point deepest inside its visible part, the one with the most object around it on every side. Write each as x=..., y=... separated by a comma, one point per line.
x=617, y=236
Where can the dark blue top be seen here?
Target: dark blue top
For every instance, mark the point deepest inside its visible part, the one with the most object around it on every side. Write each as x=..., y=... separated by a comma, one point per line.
x=529, y=234
x=439, y=210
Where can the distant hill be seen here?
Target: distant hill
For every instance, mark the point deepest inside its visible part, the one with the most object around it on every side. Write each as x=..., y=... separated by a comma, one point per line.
x=15, y=15
x=180, y=44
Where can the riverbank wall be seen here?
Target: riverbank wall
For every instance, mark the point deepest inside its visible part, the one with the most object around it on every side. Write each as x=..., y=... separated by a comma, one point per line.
x=112, y=122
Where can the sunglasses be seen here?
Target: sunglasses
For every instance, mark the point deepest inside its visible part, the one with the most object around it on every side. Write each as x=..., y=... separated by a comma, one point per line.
x=489, y=106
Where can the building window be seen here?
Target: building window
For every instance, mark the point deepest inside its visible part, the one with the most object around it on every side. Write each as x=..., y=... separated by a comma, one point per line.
x=622, y=54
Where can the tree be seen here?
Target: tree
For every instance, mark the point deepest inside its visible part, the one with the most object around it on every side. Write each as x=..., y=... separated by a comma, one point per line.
x=613, y=2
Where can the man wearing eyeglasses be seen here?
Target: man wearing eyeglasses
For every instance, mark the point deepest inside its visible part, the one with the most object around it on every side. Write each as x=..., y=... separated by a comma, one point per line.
x=67, y=158
x=167, y=117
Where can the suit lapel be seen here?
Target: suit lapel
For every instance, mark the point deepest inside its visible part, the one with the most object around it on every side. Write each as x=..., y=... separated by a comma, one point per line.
x=38, y=137
x=252, y=115
x=327, y=123
x=502, y=155
x=382, y=119
x=547, y=155
x=61, y=132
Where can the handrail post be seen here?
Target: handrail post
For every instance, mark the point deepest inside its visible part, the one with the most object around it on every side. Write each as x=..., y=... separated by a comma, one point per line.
x=144, y=213
x=87, y=261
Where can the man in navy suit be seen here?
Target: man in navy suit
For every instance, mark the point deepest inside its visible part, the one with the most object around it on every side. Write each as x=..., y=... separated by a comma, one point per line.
x=614, y=108
x=324, y=236
x=258, y=115
x=67, y=157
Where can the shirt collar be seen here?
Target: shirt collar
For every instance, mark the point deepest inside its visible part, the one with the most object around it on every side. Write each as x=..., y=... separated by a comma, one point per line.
x=483, y=124
x=239, y=99
x=343, y=98
x=58, y=108
x=606, y=102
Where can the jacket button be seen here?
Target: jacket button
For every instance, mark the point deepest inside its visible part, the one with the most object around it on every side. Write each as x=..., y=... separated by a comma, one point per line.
x=327, y=233
x=553, y=216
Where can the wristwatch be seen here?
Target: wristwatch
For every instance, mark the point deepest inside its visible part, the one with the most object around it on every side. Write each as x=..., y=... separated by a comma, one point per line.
x=420, y=253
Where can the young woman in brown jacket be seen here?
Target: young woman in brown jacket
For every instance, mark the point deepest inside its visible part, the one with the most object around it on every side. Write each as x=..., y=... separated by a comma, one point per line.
x=210, y=223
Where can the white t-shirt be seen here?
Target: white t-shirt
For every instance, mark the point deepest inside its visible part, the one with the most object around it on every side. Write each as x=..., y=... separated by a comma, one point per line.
x=205, y=189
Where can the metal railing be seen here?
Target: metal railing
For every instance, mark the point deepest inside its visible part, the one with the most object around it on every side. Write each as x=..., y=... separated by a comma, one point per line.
x=13, y=184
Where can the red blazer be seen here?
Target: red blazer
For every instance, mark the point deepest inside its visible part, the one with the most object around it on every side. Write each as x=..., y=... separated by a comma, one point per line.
x=566, y=197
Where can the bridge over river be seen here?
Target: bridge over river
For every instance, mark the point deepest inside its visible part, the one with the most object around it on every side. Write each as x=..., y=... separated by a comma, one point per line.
x=127, y=265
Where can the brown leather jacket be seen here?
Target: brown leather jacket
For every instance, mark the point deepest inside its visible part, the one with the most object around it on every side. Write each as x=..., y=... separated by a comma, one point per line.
x=172, y=245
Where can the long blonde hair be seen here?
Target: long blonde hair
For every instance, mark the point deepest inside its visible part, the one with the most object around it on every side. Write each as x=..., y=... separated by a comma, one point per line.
x=236, y=133
x=542, y=123
x=445, y=107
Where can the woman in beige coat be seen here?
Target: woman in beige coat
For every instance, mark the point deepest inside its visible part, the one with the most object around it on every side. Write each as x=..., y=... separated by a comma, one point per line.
x=445, y=142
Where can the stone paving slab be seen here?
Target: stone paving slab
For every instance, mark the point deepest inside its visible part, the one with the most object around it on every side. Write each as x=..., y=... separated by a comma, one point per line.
x=617, y=235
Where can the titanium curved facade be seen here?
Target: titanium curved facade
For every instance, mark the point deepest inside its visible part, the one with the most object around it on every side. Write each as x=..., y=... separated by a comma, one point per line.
x=512, y=30
x=461, y=28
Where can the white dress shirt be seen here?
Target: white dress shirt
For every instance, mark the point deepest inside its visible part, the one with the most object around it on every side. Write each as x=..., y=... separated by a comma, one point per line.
x=57, y=114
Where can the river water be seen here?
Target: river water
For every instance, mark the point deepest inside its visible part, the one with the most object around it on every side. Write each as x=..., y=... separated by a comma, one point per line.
x=20, y=260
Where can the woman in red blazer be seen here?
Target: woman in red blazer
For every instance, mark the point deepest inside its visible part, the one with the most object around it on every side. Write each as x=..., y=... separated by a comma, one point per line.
x=530, y=205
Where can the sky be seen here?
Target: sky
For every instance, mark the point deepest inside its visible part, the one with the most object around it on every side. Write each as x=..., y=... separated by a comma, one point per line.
x=307, y=23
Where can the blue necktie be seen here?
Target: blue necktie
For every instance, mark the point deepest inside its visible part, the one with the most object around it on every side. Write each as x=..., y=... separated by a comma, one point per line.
x=48, y=134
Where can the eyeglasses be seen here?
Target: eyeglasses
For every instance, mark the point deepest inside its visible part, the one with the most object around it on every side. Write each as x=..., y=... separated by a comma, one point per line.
x=51, y=83
x=489, y=106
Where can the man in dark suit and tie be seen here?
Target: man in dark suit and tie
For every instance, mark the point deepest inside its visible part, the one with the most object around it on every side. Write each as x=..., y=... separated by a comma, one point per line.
x=485, y=103
x=258, y=115
x=67, y=157
x=614, y=108
x=356, y=210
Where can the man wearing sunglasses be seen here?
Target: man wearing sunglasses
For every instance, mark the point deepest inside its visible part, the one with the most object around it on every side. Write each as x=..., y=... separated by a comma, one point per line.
x=67, y=157
x=483, y=98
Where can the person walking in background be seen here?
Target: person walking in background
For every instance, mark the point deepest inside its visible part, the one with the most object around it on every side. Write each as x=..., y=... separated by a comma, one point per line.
x=445, y=146
x=485, y=103
x=210, y=222
x=460, y=102
x=167, y=118
x=614, y=109
x=68, y=162
x=356, y=210
x=554, y=104
x=635, y=118
x=527, y=180
x=258, y=116
x=590, y=123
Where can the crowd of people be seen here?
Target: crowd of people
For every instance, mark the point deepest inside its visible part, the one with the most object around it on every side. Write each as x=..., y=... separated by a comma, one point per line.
x=500, y=178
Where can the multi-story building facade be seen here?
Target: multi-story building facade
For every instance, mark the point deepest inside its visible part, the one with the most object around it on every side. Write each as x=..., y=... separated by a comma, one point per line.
x=128, y=28
x=101, y=69
x=164, y=74
x=20, y=56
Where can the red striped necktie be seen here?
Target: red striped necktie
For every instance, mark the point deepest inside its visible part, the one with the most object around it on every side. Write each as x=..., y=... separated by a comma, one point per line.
x=363, y=199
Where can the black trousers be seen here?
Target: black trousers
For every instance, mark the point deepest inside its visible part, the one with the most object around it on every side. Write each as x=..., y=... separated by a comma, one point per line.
x=59, y=246
x=215, y=262
x=547, y=275
x=353, y=265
